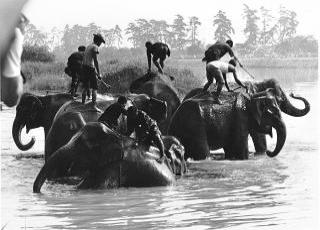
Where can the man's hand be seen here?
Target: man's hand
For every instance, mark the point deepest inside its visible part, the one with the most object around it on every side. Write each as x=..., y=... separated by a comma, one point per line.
x=99, y=76
x=246, y=88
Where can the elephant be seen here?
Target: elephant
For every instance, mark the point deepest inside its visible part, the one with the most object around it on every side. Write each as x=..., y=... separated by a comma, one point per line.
x=65, y=125
x=259, y=139
x=208, y=125
x=108, y=159
x=36, y=111
x=158, y=86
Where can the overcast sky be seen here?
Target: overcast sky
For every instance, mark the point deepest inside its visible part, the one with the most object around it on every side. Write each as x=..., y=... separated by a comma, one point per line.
x=47, y=14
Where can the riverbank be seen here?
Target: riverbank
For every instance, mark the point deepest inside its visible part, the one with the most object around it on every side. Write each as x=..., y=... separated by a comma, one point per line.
x=189, y=73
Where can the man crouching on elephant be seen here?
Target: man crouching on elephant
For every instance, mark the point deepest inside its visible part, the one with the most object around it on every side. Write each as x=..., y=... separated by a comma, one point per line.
x=218, y=69
x=112, y=113
x=146, y=129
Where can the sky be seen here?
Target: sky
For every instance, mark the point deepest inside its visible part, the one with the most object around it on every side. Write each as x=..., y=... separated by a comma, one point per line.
x=47, y=14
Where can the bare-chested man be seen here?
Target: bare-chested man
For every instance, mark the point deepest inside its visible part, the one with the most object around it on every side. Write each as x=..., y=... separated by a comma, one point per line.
x=158, y=50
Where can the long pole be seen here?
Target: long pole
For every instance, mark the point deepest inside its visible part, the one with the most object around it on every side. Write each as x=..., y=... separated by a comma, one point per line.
x=245, y=69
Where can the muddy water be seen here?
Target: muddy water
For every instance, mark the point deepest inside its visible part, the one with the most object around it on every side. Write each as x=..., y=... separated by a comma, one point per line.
x=261, y=193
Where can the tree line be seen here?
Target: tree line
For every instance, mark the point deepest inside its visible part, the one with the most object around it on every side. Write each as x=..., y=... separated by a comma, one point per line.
x=265, y=34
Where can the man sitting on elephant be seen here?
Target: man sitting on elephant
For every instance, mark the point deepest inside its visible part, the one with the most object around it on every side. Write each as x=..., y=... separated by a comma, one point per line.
x=113, y=112
x=146, y=129
x=218, y=69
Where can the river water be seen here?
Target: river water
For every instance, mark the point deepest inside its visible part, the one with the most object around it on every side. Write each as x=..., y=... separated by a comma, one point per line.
x=260, y=193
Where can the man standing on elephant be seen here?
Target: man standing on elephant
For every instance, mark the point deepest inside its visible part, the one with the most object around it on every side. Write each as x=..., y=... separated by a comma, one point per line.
x=91, y=68
x=158, y=50
x=146, y=129
x=113, y=112
x=218, y=69
x=74, y=68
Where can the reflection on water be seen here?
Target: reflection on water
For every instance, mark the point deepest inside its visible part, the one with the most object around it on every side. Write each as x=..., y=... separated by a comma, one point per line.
x=259, y=193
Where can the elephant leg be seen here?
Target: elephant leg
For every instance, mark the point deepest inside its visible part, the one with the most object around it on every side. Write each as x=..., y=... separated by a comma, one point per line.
x=237, y=147
x=197, y=149
x=259, y=141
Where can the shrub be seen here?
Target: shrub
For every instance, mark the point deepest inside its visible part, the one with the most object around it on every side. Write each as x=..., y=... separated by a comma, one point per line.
x=36, y=54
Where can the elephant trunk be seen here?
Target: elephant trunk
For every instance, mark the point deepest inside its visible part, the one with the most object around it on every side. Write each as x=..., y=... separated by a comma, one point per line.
x=17, y=127
x=291, y=110
x=62, y=156
x=278, y=124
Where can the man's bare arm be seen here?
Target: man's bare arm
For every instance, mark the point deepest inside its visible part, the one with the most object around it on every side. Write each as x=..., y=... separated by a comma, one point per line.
x=96, y=64
x=149, y=60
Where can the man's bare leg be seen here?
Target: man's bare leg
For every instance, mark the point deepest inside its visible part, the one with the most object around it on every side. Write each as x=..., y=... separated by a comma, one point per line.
x=155, y=62
x=84, y=95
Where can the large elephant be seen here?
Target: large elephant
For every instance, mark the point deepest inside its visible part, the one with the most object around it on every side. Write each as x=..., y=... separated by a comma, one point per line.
x=201, y=124
x=158, y=86
x=259, y=139
x=36, y=111
x=65, y=126
x=108, y=159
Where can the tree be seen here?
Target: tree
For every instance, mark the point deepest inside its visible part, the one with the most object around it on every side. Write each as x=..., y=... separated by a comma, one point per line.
x=109, y=37
x=287, y=24
x=267, y=31
x=251, y=30
x=34, y=37
x=223, y=26
x=159, y=30
x=194, y=23
x=54, y=38
x=179, y=30
x=140, y=32
x=118, y=36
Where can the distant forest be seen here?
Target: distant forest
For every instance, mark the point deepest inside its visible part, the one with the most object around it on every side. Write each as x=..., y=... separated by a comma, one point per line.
x=266, y=35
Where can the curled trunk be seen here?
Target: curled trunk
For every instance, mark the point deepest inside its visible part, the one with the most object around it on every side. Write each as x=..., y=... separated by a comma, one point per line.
x=60, y=160
x=291, y=110
x=280, y=128
x=16, y=134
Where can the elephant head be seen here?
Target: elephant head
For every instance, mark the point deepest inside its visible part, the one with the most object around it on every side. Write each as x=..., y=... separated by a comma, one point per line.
x=265, y=114
x=158, y=86
x=106, y=157
x=284, y=103
x=28, y=113
x=156, y=109
x=34, y=112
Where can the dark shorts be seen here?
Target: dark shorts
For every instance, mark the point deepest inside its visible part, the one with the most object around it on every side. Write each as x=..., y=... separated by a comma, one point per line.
x=214, y=72
x=89, y=77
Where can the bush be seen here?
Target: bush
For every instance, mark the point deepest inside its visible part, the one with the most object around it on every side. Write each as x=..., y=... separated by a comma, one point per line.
x=36, y=54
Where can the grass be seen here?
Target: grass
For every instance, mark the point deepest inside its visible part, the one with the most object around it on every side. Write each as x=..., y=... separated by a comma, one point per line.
x=188, y=73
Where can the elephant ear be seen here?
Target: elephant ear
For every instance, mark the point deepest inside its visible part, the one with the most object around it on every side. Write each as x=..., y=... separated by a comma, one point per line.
x=262, y=101
x=256, y=108
x=34, y=104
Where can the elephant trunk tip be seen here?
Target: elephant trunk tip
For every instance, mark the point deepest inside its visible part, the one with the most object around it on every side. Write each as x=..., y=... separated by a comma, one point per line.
x=271, y=154
x=16, y=133
x=36, y=189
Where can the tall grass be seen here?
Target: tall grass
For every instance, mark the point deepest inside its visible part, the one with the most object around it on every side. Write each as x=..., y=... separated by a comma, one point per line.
x=188, y=73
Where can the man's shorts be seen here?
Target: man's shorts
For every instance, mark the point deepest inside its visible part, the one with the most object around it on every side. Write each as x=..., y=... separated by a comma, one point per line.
x=223, y=66
x=214, y=72
x=89, y=77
